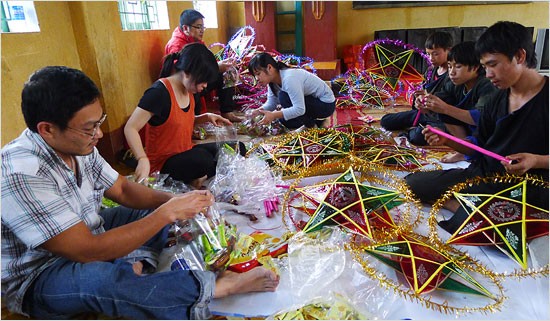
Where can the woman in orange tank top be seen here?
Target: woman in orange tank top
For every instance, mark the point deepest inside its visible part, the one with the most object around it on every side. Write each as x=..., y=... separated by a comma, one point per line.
x=166, y=110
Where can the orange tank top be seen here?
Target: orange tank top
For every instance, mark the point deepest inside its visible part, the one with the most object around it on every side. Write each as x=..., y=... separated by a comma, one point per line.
x=174, y=136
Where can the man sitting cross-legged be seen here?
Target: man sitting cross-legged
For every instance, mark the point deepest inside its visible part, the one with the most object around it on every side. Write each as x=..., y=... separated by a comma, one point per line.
x=61, y=255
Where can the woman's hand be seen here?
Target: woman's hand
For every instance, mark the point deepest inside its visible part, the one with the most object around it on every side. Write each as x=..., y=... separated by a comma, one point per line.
x=215, y=119
x=218, y=120
x=142, y=170
x=269, y=116
x=226, y=64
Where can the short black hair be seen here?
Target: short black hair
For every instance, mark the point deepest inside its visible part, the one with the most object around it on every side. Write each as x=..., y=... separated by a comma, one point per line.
x=189, y=16
x=439, y=39
x=464, y=53
x=507, y=38
x=196, y=60
x=54, y=94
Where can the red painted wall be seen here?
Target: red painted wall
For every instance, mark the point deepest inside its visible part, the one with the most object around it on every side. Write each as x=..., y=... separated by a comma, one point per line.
x=320, y=35
x=265, y=29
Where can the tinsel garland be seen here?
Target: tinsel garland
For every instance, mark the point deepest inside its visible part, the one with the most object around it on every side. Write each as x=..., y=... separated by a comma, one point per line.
x=496, y=178
x=398, y=43
x=377, y=174
x=343, y=141
x=465, y=262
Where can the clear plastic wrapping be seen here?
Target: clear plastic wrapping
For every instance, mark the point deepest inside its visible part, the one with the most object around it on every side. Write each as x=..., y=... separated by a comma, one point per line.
x=247, y=183
x=323, y=273
x=333, y=306
x=205, y=242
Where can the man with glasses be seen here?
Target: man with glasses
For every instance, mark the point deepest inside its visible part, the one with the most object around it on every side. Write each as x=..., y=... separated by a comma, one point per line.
x=191, y=29
x=61, y=255
x=93, y=132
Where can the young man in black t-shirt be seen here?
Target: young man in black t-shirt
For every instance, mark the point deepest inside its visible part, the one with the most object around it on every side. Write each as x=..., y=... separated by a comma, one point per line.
x=458, y=104
x=514, y=122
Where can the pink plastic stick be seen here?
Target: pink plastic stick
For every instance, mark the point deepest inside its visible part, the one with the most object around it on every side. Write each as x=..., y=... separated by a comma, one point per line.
x=469, y=145
x=416, y=118
x=267, y=210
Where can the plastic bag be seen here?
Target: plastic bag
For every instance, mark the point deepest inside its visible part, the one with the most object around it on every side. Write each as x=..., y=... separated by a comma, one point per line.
x=163, y=182
x=315, y=260
x=334, y=306
x=248, y=183
x=318, y=264
x=257, y=249
x=251, y=126
x=205, y=242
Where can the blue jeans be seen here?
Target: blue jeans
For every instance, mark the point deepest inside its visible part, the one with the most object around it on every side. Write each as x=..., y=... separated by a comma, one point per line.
x=315, y=109
x=68, y=288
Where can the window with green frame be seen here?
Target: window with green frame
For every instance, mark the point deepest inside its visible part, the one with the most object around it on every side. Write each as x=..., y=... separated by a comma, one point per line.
x=143, y=15
x=18, y=16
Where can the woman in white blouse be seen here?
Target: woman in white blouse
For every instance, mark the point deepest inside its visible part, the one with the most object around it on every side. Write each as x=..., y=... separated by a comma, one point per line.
x=304, y=99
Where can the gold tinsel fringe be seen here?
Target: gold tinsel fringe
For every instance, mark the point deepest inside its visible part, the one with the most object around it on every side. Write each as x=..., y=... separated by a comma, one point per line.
x=465, y=263
x=496, y=178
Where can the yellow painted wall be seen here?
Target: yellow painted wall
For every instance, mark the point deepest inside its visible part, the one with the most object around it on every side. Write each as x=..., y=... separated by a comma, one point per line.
x=24, y=53
x=87, y=35
x=357, y=26
x=235, y=13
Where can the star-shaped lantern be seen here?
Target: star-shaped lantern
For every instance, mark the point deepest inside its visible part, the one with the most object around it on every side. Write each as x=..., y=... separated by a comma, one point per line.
x=392, y=67
x=390, y=155
x=504, y=220
x=347, y=202
x=366, y=135
x=425, y=268
x=355, y=90
x=296, y=151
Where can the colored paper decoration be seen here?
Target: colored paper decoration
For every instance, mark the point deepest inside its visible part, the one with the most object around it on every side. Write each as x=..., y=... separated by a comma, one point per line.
x=357, y=200
x=504, y=220
x=294, y=152
x=348, y=203
x=428, y=268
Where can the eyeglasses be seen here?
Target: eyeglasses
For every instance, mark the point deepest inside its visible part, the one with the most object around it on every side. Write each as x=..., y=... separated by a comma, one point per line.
x=199, y=27
x=94, y=131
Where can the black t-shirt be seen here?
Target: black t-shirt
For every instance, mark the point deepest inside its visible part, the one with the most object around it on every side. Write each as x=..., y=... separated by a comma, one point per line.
x=523, y=131
x=435, y=82
x=156, y=99
x=475, y=99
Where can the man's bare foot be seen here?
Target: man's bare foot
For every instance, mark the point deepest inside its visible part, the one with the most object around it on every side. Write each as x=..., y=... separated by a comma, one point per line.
x=197, y=183
x=138, y=267
x=232, y=117
x=258, y=279
x=453, y=158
